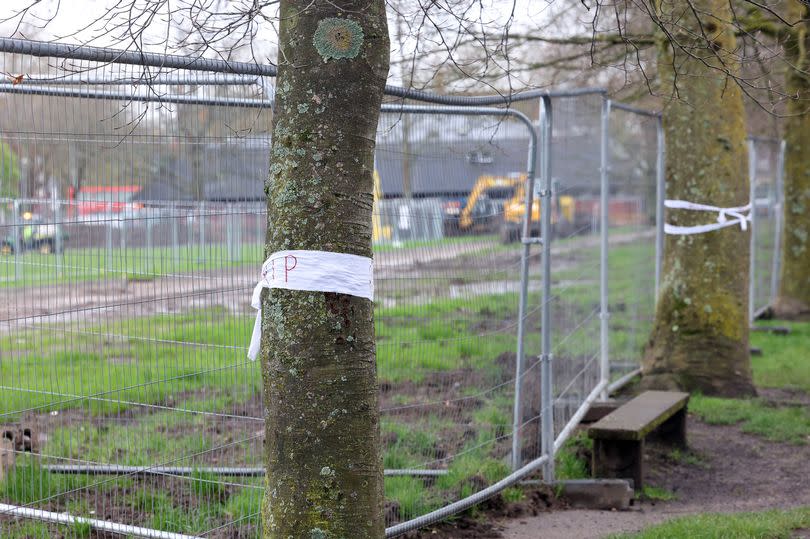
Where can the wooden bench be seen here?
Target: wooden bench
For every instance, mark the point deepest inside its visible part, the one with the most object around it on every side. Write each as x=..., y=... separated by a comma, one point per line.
x=618, y=438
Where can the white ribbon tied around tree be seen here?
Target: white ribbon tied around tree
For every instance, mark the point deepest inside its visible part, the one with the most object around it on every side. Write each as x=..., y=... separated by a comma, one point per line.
x=740, y=215
x=314, y=271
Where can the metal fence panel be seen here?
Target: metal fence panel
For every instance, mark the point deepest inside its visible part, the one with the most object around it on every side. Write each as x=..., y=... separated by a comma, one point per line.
x=447, y=285
x=632, y=207
x=766, y=165
x=138, y=232
x=123, y=344
x=575, y=254
x=514, y=280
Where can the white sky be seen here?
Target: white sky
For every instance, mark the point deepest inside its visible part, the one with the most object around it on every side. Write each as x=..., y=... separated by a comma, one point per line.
x=68, y=20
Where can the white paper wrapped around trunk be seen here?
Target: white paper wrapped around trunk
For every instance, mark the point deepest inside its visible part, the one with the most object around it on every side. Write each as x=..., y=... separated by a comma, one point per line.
x=314, y=271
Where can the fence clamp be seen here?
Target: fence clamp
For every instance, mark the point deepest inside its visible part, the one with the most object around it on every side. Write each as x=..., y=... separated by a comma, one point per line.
x=531, y=241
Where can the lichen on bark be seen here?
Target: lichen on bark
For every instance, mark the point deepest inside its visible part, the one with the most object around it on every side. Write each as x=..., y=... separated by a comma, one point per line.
x=338, y=37
x=324, y=471
x=700, y=335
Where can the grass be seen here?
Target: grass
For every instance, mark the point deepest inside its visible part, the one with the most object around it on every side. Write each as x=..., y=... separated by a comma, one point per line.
x=754, y=416
x=144, y=264
x=785, y=361
x=687, y=457
x=28, y=482
x=569, y=463
x=133, y=263
x=151, y=358
x=389, y=246
x=650, y=492
x=170, y=355
x=784, y=364
x=411, y=495
x=761, y=525
x=176, y=359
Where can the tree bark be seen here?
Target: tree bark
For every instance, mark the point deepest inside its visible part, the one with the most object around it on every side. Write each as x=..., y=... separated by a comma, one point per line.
x=794, y=283
x=324, y=470
x=700, y=335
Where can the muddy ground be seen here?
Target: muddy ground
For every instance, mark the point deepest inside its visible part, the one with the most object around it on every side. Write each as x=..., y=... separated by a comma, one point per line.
x=115, y=297
x=445, y=396
x=732, y=472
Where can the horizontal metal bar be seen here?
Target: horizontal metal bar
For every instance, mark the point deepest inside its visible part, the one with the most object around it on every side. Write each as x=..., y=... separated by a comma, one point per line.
x=577, y=417
x=100, y=525
x=85, y=93
x=139, y=58
x=759, y=312
x=623, y=365
x=635, y=110
x=174, y=61
x=114, y=469
x=162, y=79
x=757, y=138
x=504, y=99
x=776, y=330
x=623, y=381
x=414, y=473
x=465, y=503
x=387, y=108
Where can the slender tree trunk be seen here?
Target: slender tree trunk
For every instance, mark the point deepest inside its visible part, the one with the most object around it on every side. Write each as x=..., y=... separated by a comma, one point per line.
x=794, y=287
x=324, y=471
x=700, y=336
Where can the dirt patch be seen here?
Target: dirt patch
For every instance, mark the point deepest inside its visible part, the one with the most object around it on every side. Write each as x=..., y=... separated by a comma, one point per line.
x=484, y=523
x=784, y=397
x=725, y=470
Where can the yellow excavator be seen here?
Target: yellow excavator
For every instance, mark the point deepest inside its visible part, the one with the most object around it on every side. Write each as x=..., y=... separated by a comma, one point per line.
x=483, y=209
x=563, y=209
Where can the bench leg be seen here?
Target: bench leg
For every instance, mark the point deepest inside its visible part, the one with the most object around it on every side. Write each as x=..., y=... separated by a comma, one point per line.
x=673, y=430
x=618, y=459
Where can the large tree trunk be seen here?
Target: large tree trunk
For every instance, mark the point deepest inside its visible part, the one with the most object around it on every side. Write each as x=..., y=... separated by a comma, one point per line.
x=700, y=336
x=794, y=288
x=324, y=471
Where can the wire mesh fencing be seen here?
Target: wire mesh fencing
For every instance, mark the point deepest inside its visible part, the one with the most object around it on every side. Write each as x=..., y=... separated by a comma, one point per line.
x=515, y=255
x=132, y=240
x=635, y=171
x=575, y=153
x=135, y=229
x=447, y=290
x=766, y=168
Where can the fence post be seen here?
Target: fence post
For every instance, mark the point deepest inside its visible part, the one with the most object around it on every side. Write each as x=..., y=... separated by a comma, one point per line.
x=150, y=267
x=526, y=241
x=201, y=214
x=776, y=267
x=238, y=236
x=604, y=222
x=229, y=235
x=175, y=239
x=109, y=235
x=17, y=243
x=57, y=225
x=122, y=244
x=547, y=398
x=752, y=176
x=660, y=195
